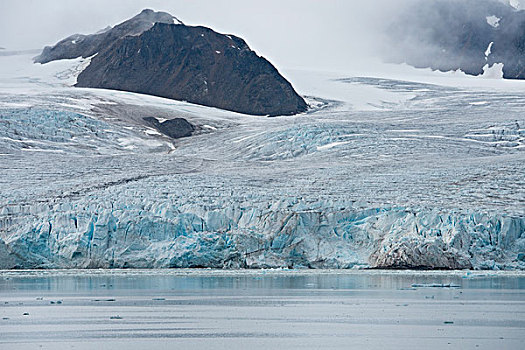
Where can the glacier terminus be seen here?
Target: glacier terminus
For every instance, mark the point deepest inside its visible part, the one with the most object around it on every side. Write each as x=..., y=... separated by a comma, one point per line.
x=379, y=172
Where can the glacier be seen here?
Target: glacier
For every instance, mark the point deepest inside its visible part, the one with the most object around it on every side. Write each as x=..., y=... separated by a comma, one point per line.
x=381, y=172
x=282, y=234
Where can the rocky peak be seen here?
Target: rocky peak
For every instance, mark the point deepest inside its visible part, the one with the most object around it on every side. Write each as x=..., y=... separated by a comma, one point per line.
x=194, y=64
x=155, y=53
x=80, y=45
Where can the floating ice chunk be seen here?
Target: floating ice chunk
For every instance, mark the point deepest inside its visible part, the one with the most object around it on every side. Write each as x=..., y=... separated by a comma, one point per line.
x=478, y=103
x=515, y=3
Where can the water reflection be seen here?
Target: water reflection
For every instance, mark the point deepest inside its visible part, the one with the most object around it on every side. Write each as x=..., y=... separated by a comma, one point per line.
x=249, y=282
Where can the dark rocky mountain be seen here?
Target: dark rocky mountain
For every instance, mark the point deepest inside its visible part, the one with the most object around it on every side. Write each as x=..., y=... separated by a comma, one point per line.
x=194, y=64
x=79, y=45
x=455, y=34
x=174, y=128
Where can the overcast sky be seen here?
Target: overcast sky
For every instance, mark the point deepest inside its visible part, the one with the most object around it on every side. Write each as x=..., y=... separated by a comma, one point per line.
x=320, y=34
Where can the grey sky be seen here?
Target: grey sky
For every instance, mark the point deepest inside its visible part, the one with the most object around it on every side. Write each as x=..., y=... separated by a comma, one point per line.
x=320, y=34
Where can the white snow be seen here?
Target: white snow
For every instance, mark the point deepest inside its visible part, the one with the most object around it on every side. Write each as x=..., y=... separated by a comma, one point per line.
x=332, y=145
x=56, y=73
x=493, y=72
x=488, y=51
x=515, y=3
x=152, y=132
x=493, y=21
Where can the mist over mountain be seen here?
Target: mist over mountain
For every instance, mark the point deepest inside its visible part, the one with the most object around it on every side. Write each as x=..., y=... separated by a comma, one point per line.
x=459, y=34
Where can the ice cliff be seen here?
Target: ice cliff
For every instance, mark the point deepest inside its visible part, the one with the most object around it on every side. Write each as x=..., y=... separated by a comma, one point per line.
x=230, y=233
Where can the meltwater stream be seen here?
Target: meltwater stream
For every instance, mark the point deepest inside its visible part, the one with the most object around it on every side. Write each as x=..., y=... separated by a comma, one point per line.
x=258, y=309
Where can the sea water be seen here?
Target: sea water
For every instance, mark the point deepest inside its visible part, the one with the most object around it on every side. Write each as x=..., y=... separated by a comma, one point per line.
x=261, y=309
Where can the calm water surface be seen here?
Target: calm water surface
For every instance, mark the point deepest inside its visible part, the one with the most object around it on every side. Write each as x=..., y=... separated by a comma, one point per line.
x=199, y=309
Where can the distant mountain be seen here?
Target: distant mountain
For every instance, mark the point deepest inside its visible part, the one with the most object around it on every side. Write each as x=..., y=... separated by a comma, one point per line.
x=460, y=34
x=154, y=53
x=79, y=45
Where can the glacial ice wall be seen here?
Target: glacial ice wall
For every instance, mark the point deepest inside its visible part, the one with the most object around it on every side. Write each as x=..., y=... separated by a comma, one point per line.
x=280, y=234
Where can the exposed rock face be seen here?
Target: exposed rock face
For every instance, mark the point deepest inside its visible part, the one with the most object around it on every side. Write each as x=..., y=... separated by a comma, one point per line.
x=174, y=128
x=154, y=53
x=79, y=45
x=456, y=34
x=194, y=64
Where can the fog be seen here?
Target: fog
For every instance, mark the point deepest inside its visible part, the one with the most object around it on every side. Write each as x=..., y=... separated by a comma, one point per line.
x=313, y=34
x=456, y=34
x=302, y=34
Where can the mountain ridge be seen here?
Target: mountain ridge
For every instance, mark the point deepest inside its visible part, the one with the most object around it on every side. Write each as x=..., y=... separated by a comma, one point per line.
x=155, y=53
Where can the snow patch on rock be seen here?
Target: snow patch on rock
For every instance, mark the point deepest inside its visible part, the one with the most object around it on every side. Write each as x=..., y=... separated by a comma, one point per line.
x=488, y=51
x=493, y=72
x=493, y=21
x=515, y=3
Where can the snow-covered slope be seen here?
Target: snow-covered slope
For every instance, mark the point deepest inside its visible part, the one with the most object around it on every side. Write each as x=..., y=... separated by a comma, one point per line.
x=423, y=172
